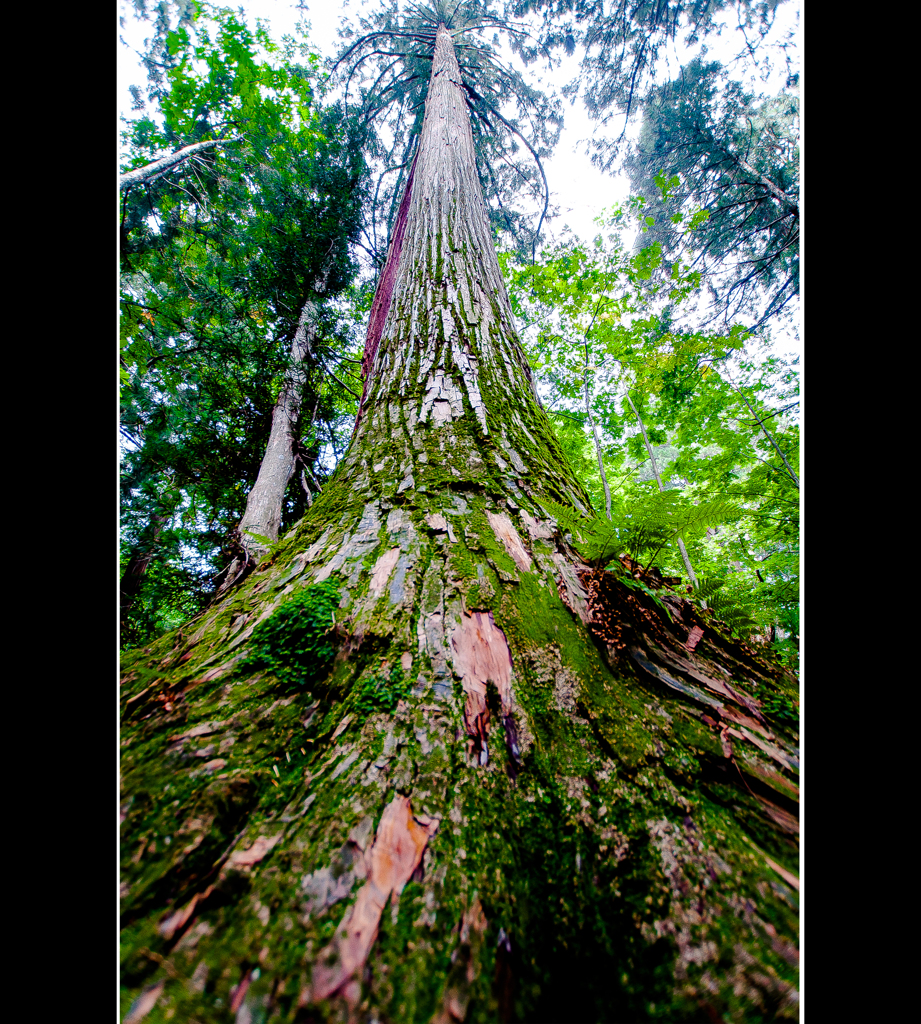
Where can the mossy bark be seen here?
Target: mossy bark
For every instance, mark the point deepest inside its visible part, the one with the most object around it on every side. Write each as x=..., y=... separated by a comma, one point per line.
x=579, y=809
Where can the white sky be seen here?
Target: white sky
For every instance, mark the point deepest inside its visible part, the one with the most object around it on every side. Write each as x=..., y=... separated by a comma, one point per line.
x=578, y=188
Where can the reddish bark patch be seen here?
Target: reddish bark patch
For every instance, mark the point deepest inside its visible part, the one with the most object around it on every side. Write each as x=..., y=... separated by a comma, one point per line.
x=397, y=851
x=259, y=849
x=175, y=922
x=383, y=567
x=381, y=305
x=239, y=993
x=693, y=637
x=144, y=1003
x=505, y=532
x=482, y=655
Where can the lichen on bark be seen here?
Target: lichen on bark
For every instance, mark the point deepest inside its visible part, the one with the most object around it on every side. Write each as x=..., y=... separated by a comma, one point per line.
x=577, y=809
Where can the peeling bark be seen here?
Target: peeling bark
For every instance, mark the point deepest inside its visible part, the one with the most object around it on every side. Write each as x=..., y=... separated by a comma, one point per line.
x=482, y=656
x=442, y=347
x=395, y=855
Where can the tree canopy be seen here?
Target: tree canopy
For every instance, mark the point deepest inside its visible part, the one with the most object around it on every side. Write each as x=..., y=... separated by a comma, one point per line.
x=384, y=70
x=736, y=158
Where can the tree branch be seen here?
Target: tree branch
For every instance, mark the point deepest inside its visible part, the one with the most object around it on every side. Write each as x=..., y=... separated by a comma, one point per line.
x=150, y=172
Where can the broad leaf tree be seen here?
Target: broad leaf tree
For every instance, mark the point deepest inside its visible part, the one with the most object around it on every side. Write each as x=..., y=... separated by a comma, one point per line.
x=669, y=409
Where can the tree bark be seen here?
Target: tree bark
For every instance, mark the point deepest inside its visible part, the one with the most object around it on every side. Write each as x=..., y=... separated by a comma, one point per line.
x=762, y=179
x=573, y=811
x=157, y=168
x=264, y=503
x=138, y=563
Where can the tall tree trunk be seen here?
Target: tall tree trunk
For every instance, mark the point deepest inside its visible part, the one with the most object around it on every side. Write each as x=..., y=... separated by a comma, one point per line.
x=262, y=518
x=520, y=791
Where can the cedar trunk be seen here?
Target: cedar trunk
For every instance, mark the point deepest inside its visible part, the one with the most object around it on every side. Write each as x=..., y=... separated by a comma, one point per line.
x=264, y=503
x=579, y=809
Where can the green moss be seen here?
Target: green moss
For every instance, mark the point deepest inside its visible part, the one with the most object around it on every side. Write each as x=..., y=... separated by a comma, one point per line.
x=562, y=858
x=295, y=643
x=462, y=564
x=379, y=692
x=778, y=705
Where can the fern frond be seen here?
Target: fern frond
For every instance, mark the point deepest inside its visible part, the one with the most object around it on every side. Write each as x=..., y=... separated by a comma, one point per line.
x=652, y=521
x=706, y=587
x=737, y=615
x=567, y=517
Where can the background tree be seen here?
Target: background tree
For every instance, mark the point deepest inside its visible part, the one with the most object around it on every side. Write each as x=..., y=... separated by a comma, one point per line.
x=503, y=769
x=735, y=153
x=737, y=159
x=625, y=45
x=704, y=404
x=221, y=256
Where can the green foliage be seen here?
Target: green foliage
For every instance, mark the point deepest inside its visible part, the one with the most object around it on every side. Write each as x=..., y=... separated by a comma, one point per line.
x=589, y=323
x=380, y=692
x=296, y=642
x=779, y=705
x=267, y=541
x=173, y=591
x=640, y=526
x=739, y=618
x=733, y=166
x=219, y=257
x=624, y=45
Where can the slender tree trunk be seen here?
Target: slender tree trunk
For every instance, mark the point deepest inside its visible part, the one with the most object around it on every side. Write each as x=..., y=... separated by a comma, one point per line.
x=767, y=434
x=138, y=563
x=597, y=439
x=520, y=791
x=264, y=504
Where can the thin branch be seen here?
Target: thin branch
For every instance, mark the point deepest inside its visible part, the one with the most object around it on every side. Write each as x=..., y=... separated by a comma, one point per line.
x=150, y=172
x=540, y=167
x=339, y=382
x=766, y=433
